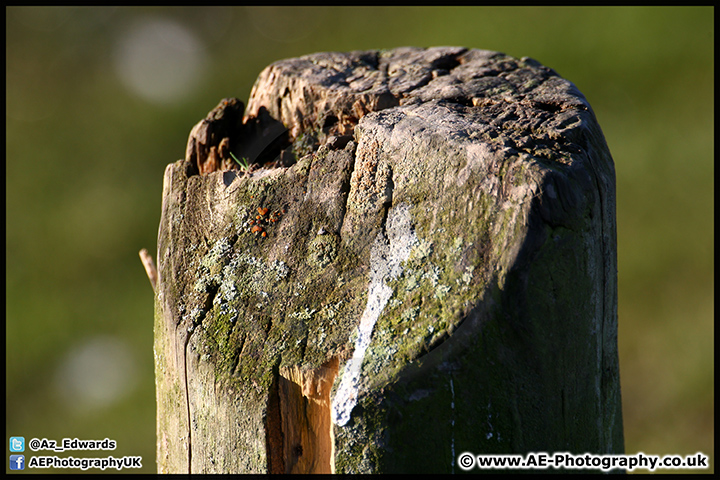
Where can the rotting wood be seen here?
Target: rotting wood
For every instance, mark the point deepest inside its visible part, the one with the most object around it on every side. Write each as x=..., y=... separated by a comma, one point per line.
x=421, y=261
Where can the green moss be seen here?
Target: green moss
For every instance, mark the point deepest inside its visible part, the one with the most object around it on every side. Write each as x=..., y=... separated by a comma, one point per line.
x=362, y=441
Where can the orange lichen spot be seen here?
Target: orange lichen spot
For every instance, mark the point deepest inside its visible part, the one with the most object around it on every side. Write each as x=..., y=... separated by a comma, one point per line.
x=256, y=229
x=264, y=234
x=262, y=211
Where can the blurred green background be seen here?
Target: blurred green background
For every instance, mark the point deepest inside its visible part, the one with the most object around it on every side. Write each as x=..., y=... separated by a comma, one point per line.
x=100, y=100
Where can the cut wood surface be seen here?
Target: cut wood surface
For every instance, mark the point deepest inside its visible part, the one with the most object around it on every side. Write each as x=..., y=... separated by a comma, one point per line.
x=411, y=255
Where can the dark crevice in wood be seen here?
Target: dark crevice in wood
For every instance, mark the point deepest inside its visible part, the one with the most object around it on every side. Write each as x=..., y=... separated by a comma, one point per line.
x=273, y=429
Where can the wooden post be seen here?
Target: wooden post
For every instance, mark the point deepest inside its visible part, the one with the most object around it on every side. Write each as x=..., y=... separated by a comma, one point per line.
x=411, y=255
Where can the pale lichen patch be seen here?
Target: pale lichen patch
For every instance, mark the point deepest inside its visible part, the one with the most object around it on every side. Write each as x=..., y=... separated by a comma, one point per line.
x=386, y=259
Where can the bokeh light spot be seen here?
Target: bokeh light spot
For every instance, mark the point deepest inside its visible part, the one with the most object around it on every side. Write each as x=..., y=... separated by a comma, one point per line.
x=159, y=60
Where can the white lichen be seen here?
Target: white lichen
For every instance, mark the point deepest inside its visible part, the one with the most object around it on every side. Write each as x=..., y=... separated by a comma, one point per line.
x=441, y=291
x=386, y=258
x=410, y=314
x=421, y=251
x=304, y=314
x=467, y=276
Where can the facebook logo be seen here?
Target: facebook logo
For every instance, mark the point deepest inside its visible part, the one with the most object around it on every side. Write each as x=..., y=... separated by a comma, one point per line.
x=17, y=444
x=17, y=462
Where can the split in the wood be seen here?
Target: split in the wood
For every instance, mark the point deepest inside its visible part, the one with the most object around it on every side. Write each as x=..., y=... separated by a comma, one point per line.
x=304, y=442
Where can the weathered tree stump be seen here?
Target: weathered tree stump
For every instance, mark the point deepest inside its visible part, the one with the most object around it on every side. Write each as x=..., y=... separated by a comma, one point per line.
x=416, y=258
